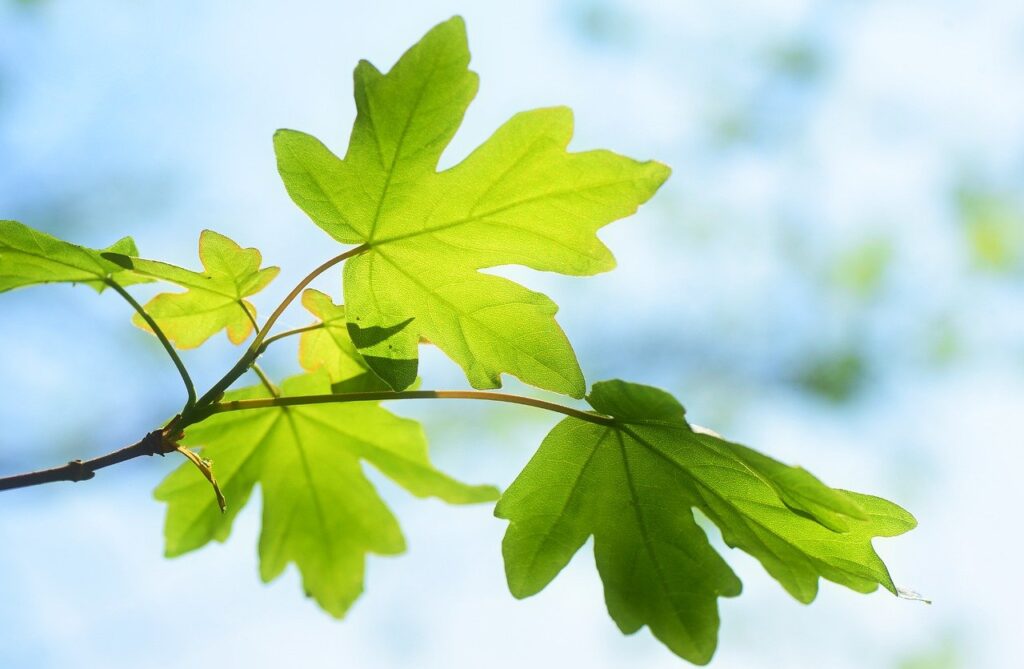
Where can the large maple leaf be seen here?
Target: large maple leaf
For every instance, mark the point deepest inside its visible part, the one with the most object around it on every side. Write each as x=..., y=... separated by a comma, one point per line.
x=319, y=509
x=520, y=198
x=632, y=483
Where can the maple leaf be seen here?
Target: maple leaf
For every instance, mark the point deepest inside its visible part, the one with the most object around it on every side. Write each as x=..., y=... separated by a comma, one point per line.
x=29, y=257
x=631, y=484
x=319, y=509
x=215, y=299
x=520, y=198
x=329, y=347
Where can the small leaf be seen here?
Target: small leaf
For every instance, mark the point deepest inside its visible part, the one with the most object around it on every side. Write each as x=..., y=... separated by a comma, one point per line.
x=521, y=198
x=205, y=468
x=29, y=257
x=215, y=299
x=632, y=486
x=319, y=509
x=330, y=347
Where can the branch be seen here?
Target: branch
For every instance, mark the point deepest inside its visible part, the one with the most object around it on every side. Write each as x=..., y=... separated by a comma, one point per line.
x=158, y=443
x=297, y=290
x=377, y=396
x=153, y=443
x=258, y=344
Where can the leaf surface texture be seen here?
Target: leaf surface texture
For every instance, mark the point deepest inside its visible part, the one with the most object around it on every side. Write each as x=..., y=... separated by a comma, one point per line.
x=632, y=486
x=320, y=512
x=520, y=198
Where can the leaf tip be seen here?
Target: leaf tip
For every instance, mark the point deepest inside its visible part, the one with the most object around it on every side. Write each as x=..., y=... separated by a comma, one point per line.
x=455, y=23
x=660, y=172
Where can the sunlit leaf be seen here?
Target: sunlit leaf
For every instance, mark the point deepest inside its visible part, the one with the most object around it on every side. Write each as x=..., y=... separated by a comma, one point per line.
x=330, y=347
x=632, y=485
x=215, y=299
x=521, y=198
x=29, y=257
x=319, y=509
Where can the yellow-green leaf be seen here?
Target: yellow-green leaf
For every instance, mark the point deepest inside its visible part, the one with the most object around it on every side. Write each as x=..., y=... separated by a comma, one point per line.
x=521, y=198
x=215, y=299
x=319, y=509
x=329, y=347
x=29, y=257
x=633, y=484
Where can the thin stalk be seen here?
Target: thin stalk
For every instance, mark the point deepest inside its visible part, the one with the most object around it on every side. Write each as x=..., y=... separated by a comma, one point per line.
x=189, y=386
x=297, y=290
x=288, y=333
x=160, y=442
x=265, y=380
x=249, y=314
x=258, y=344
x=377, y=396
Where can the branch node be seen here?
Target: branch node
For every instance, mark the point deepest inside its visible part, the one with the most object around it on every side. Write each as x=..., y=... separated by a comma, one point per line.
x=77, y=471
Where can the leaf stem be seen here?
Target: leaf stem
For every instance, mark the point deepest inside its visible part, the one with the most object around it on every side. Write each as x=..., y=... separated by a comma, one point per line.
x=189, y=386
x=258, y=344
x=288, y=333
x=265, y=380
x=249, y=315
x=297, y=290
x=158, y=442
x=377, y=396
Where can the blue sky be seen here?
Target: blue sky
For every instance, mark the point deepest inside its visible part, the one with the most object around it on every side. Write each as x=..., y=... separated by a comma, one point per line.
x=816, y=280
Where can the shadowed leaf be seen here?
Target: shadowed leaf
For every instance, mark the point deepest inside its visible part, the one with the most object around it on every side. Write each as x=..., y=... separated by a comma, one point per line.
x=632, y=486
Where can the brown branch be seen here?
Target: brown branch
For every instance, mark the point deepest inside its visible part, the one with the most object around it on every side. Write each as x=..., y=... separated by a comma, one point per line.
x=258, y=344
x=386, y=395
x=153, y=443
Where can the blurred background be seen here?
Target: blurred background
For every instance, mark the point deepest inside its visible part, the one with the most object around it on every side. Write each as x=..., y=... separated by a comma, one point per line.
x=833, y=275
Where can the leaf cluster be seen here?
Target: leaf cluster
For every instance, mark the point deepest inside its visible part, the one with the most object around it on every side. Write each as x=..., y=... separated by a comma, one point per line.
x=629, y=472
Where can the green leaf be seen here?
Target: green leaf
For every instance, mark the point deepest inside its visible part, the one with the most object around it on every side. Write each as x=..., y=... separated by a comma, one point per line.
x=330, y=347
x=521, y=198
x=215, y=299
x=632, y=486
x=29, y=257
x=319, y=509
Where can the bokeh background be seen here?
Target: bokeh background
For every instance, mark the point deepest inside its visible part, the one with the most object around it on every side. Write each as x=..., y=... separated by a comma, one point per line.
x=833, y=275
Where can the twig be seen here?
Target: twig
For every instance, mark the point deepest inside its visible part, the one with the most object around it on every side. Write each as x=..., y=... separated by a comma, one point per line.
x=153, y=443
x=386, y=395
